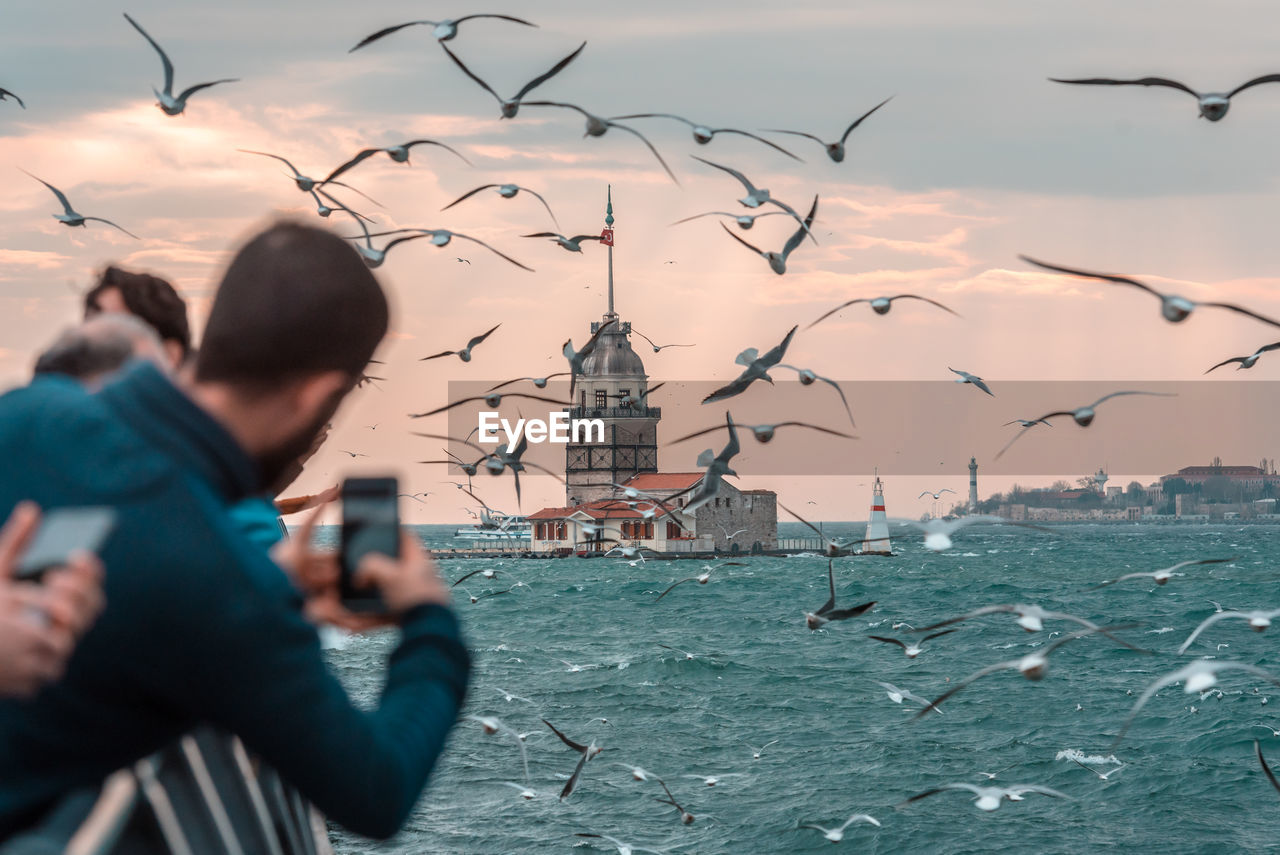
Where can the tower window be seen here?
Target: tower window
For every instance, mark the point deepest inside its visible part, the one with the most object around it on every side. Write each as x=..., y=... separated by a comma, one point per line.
x=602, y=399
x=623, y=396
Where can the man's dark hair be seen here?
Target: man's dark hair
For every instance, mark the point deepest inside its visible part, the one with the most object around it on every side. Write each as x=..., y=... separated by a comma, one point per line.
x=150, y=298
x=296, y=300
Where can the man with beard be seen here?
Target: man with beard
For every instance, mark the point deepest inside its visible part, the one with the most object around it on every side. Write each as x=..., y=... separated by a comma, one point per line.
x=201, y=626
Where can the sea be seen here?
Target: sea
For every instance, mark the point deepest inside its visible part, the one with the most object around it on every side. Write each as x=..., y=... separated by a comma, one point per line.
x=581, y=642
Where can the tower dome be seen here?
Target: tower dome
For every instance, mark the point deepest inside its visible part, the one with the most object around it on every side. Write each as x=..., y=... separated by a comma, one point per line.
x=613, y=355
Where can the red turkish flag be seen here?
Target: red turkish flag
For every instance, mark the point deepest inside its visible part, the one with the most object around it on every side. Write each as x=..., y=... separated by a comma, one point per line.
x=606, y=237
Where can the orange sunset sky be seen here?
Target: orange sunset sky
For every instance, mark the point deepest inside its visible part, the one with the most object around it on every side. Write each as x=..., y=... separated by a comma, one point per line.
x=976, y=159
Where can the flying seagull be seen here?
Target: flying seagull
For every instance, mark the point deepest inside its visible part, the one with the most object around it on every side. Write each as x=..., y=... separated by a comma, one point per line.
x=913, y=649
x=1258, y=619
x=465, y=353
x=778, y=260
x=397, y=153
x=1033, y=666
x=744, y=221
x=702, y=134
x=966, y=377
x=69, y=216
x=5, y=94
x=596, y=127
x=717, y=466
x=305, y=183
x=831, y=548
x=757, y=368
x=539, y=382
x=686, y=818
x=576, y=357
x=491, y=400
x=882, y=305
x=899, y=695
x=658, y=348
x=1175, y=309
x=1257, y=747
x=1083, y=416
x=829, y=612
x=623, y=848
x=441, y=31
x=572, y=244
x=937, y=532
x=1247, y=361
x=1196, y=677
x=937, y=495
x=506, y=191
x=702, y=578
x=1101, y=775
x=1027, y=422
x=988, y=798
x=166, y=101
x=491, y=725
x=1162, y=576
x=511, y=106
x=835, y=835
x=1213, y=105
x=1031, y=618
x=764, y=433
x=808, y=378
x=835, y=150
x=756, y=196
x=439, y=237
x=587, y=752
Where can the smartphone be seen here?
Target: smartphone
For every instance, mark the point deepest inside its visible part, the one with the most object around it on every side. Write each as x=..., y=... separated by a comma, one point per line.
x=370, y=523
x=64, y=531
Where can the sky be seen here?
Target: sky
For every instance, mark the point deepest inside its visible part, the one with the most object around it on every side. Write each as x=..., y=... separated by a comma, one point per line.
x=976, y=159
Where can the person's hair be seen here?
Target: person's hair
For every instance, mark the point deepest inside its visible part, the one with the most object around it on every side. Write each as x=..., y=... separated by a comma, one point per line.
x=150, y=298
x=296, y=300
x=99, y=346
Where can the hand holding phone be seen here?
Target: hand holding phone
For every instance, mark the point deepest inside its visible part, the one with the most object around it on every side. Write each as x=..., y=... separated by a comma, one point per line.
x=62, y=533
x=370, y=524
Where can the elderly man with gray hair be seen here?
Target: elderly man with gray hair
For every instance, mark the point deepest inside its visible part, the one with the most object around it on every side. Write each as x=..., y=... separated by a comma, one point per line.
x=100, y=347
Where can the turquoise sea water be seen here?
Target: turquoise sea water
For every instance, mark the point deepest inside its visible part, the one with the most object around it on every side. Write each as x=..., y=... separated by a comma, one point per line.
x=1190, y=782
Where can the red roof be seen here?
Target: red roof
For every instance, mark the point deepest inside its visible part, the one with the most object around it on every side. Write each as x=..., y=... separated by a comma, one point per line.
x=664, y=480
x=612, y=509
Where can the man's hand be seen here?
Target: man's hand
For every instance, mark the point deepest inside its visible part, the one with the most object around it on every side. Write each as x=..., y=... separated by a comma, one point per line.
x=411, y=580
x=39, y=623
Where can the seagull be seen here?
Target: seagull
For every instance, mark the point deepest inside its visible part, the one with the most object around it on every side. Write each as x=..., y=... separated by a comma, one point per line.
x=989, y=798
x=974, y=379
x=1083, y=416
x=829, y=612
x=496, y=462
x=506, y=191
x=539, y=382
x=701, y=579
x=1213, y=105
x=1026, y=422
x=304, y=183
x=439, y=237
x=937, y=532
x=596, y=127
x=685, y=817
x=730, y=535
x=757, y=196
x=1247, y=361
x=658, y=348
x=808, y=378
x=511, y=106
x=576, y=357
x=69, y=216
x=488, y=573
x=1033, y=666
x=1101, y=775
x=353, y=454
x=831, y=548
x=397, y=153
x=572, y=244
x=912, y=650
x=1265, y=768
x=1197, y=677
x=882, y=305
x=6, y=94
x=703, y=134
x=757, y=368
x=636, y=772
x=835, y=150
x=636, y=400
x=441, y=31
x=937, y=495
x=764, y=433
x=525, y=792
x=170, y=105
x=491, y=400
x=756, y=752
x=465, y=353
x=1031, y=618
x=778, y=260
x=587, y=752
x=623, y=848
x=1175, y=309
x=1162, y=576
x=508, y=697
x=898, y=695
x=1258, y=620
x=835, y=835
x=687, y=655
x=492, y=725
x=1274, y=731
x=712, y=780
x=744, y=221
x=717, y=466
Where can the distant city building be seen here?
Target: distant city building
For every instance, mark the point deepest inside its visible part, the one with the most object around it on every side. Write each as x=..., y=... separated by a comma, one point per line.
x=1247, y=476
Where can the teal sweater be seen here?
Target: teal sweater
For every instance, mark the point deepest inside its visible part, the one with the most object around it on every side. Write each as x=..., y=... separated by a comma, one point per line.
x=200, y=626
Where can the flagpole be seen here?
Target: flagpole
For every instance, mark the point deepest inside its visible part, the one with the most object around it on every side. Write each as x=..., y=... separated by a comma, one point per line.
x=608, y=223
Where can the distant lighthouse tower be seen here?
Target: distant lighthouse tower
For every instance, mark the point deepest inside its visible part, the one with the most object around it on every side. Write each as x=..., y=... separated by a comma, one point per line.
x=876, y=541
x=973, y=485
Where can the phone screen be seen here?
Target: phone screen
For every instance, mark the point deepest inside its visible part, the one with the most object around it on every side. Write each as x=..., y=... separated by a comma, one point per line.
x=64, y=531
x=370, y=523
